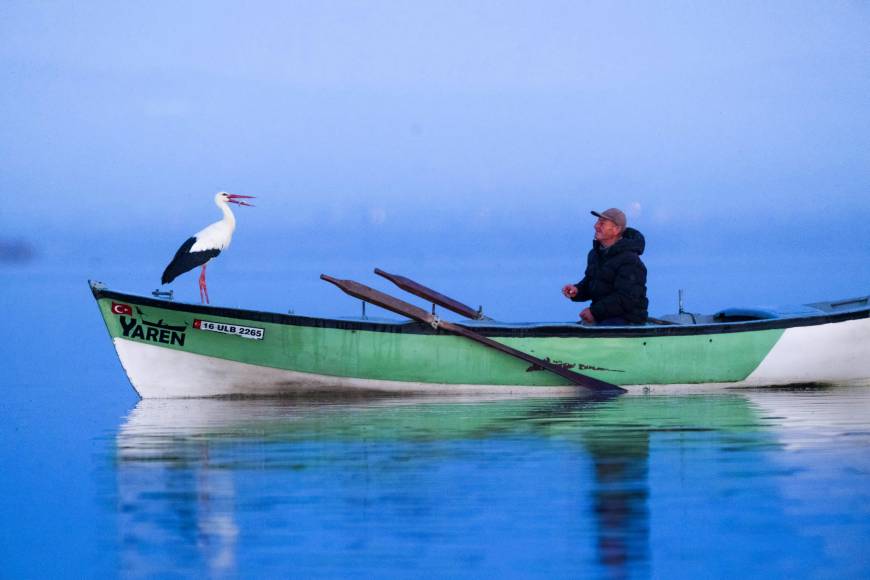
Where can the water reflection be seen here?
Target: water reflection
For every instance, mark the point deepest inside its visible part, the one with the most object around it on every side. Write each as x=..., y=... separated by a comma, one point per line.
x=394, y=484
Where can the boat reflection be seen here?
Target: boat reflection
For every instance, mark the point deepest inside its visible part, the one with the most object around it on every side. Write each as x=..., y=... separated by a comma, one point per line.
x=185, y=467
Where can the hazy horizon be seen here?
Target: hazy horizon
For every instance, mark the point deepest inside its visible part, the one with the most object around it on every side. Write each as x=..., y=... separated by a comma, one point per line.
x=736, y=136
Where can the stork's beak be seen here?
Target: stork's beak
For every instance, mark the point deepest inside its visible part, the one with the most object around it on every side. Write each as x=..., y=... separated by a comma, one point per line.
x=233, y=198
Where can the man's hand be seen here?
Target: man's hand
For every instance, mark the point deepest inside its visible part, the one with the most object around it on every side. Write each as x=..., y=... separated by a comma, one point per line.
x=569, y=291
x=586, y=315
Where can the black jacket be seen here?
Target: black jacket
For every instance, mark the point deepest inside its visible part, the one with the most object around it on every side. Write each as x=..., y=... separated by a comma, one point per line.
x=615, y=279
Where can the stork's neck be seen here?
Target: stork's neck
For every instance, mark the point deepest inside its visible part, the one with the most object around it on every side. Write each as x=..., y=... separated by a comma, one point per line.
x=229, y=218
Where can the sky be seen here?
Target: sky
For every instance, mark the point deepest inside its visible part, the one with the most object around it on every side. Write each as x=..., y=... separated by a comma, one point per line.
x=425, y=128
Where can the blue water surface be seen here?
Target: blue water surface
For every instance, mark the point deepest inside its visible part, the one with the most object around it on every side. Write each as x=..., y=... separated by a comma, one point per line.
x=761, y=483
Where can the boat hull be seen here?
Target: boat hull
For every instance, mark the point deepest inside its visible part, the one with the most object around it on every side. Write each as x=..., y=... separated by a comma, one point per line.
x=165, y=373
x=181, y=350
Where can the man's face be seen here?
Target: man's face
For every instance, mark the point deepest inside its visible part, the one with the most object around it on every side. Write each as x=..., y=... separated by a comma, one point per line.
x=606, y=231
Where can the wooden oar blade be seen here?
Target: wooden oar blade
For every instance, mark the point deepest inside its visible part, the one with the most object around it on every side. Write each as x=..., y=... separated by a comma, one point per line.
x=431, y=295
x=575, y=377
x=378, y=298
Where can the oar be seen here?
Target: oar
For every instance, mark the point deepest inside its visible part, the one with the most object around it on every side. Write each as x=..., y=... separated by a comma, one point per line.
x=401, y=307
x=431, y=295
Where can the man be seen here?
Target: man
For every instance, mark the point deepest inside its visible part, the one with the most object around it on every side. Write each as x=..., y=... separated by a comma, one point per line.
x=615, y=279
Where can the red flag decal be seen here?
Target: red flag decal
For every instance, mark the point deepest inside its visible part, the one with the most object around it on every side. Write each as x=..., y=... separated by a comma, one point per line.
x=118, y=308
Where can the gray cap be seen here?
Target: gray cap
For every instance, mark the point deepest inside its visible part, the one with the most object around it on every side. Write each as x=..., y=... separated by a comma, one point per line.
x=614, y=215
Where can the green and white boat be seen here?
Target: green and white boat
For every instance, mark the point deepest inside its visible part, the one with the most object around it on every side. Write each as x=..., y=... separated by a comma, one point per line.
x=171, y=349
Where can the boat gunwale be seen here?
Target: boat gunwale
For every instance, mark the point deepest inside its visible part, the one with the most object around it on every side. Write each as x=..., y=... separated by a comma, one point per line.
x=501, y=330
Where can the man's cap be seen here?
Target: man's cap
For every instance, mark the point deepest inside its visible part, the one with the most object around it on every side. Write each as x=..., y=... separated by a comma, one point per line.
x=612, y=214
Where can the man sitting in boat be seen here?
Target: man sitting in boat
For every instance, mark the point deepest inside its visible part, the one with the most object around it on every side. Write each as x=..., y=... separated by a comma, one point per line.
x=615, y=279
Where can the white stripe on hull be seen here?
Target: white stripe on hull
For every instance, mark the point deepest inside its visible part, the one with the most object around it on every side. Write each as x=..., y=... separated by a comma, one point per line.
x=827, y=353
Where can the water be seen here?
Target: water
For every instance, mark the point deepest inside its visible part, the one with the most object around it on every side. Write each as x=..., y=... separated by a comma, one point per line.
x=97, y=484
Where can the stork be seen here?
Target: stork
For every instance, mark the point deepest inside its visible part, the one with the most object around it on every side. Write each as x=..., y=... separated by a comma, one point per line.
x=206, y=244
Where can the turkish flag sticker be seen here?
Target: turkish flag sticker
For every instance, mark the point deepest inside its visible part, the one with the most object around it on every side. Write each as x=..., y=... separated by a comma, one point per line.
x=118, y=308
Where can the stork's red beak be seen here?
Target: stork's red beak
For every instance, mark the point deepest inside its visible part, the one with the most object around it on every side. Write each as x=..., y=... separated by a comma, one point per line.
x=234, y=198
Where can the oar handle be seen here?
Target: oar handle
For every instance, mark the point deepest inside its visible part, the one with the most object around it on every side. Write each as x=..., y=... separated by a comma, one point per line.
x=431, y=295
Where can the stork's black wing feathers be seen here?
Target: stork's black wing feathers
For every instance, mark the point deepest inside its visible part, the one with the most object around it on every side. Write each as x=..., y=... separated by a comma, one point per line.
x=185, y=260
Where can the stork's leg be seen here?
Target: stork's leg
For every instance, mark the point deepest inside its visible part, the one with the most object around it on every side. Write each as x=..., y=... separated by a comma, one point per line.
x=203, y=289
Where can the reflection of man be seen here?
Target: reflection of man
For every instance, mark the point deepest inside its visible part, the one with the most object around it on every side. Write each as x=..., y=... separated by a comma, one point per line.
x=621, y=498
x=615, y=279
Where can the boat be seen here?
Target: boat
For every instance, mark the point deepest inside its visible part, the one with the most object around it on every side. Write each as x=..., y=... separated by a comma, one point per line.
x=172, y=349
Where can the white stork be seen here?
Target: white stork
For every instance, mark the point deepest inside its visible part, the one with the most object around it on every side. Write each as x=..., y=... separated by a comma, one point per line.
x=205, y=244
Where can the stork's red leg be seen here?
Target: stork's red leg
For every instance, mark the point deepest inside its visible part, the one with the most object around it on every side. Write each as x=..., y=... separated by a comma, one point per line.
x=203, y=289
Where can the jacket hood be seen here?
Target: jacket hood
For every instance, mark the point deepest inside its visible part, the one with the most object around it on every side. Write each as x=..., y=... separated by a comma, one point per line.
x=631, y=241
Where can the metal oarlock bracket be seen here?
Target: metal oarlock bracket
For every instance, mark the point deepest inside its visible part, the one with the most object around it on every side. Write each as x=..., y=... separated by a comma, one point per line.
x=162, y=294
x=683, y=310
